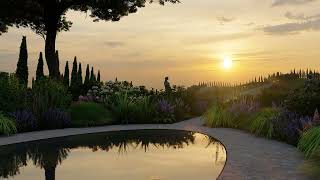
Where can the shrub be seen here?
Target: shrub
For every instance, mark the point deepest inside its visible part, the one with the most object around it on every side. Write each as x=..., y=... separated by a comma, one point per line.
x=122, y=107
x=85, y=114
x=48, y=93
x=7, y=126
x=12, y=93
x=279, y=91
x=165, y=112
x=143, y=110
x=312, y=166
x=261, y=123
x=25, y=121
x=180, y=109
x=288, y=126
x=242, y=109
x=310, y=142
x=306, y=99
x=55, y=118
x=216, y=116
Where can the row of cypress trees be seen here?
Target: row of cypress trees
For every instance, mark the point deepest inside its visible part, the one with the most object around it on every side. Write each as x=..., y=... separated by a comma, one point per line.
x=75, y=84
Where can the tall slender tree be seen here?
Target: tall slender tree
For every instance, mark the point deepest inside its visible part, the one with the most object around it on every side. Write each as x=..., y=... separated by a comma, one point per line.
x=39, y=72
x=86, y=83
x=22, y=65
x=92, y=77
x=80, y=79
x=74, y=80
x=66, y=75
x=98, y=77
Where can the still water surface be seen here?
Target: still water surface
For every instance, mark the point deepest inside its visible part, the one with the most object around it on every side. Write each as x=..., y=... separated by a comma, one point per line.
x=124, y=155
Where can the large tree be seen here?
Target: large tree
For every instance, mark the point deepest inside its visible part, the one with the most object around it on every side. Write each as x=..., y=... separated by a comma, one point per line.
x=48, y=17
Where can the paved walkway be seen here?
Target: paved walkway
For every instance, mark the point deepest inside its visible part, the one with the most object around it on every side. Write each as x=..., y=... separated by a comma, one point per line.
x=248, y=157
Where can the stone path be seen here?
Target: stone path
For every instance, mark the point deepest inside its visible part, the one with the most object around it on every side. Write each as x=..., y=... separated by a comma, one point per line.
x=248, y=157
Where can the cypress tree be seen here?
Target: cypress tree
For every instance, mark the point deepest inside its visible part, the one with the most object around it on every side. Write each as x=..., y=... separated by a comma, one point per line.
x=87, y=79
x=74, y=72
x=66, y=75
x=74, y=80
x=92, y=77
x=22, y=65
x=80, y=81
x=98, y=78
x=39, y=72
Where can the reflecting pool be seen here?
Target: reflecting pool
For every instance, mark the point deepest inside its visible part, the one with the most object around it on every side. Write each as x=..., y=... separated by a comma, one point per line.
x=120, y=155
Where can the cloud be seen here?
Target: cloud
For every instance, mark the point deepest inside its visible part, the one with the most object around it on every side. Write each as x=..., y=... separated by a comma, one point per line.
x=250, y=24
x=290, y=2
x=219, y=38
x=224, y=19
x=114, y=44
x=293, y=28
x=300, y=16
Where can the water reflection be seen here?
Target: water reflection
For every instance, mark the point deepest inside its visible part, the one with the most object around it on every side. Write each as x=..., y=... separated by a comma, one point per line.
x=49, y=154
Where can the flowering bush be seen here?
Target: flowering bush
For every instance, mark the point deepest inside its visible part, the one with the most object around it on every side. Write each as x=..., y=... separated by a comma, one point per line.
x=289, y=126
x=165, y=111
x=244, y=107
x=55, y=119
x=25, y=121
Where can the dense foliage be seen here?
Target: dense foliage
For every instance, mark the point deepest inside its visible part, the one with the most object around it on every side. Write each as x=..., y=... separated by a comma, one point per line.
x=84, y=114
x=48, y=93
x=306, y=99
x=12, y=94
x=55, y=118
x=25, y=121
x=7, y=126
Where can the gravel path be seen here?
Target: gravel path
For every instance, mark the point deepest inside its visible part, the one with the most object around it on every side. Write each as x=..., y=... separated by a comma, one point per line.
x=248, y=157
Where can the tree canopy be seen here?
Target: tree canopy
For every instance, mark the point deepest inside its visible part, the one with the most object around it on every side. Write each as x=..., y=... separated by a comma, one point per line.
x=48, y=17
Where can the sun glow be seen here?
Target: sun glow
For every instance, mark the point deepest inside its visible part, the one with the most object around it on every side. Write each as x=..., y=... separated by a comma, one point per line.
x=227, y=63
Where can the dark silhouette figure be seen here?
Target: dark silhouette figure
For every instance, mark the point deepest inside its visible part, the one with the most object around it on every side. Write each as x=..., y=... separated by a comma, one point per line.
x=167, y=85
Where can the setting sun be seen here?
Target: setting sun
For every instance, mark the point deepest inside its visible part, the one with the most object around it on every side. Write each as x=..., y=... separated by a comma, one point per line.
x=227, y=63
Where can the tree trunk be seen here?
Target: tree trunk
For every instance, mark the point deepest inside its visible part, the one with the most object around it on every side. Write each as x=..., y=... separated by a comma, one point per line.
x=50, y=173
x=51, y=22
x=50, y=53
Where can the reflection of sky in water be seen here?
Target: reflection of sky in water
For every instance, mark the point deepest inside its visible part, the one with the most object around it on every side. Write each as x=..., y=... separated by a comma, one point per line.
x=195, y=161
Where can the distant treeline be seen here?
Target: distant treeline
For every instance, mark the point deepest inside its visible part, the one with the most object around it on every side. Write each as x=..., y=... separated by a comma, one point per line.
x=292, y=75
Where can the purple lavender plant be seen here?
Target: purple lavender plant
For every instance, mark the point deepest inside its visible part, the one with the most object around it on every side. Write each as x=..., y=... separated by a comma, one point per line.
x=244, y=106
x=289, y=126
x=56, y=119
x=25, y=121
x=165, y=107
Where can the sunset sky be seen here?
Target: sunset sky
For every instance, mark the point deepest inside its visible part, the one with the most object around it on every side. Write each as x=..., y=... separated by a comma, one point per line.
x=187, y=42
